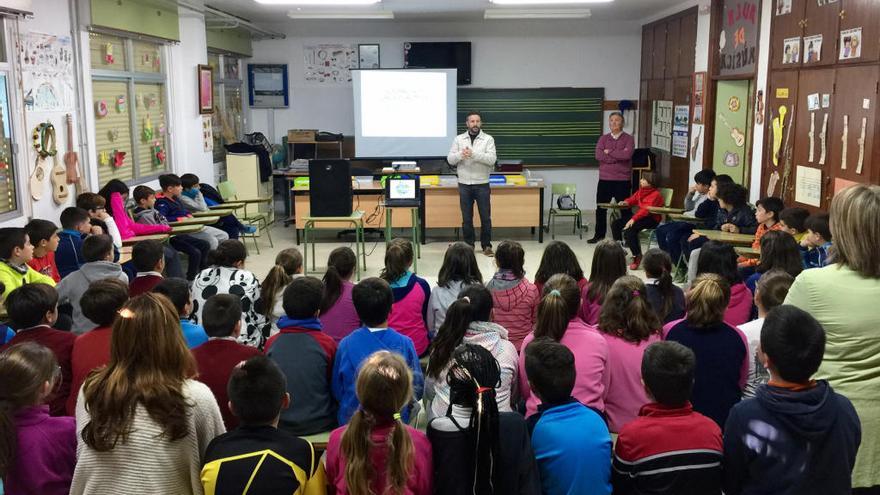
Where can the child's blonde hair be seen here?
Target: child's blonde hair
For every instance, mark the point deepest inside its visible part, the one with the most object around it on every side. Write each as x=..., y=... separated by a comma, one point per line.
x=707, y=300
x=287, y=263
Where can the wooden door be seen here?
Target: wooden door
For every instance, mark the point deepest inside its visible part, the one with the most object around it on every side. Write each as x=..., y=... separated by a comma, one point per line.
x=820, y=33
x=677, y=176
x=659, y=51
x=687, y=45
x=647, y=51
x=673, y=48
x=782, y=92
x=810, y=83
x=785, y=26
x=855, y=96
x=864, y=15
x=644, y=116
x=732, y=129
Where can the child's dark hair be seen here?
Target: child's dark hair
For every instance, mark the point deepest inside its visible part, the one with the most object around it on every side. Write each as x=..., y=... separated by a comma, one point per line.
x=627, y=313
x=609, y=264
x=112, y=186
x=818, y=223
x=188, y=181
x=40, y=230
x=90, y=201
x=256, y=390
x=474, y=303
x=341, y=263
x=287, y=263
x=707, y=300
x=473, y=378
x=72, y=216
x=28, y=304
x=771, y=205
x=704, y=177
x=372, y=298
x=652, y=178
x=177, y=291
x=302, y=298
x=550, y=369
x=11, y=238
x=510, y=256
x=228, y=253
x=718, y=257
x=733, y=194
x=559, y=304
x=459, y=265
x=772, y=288
x=795, y=217
x=723, y=179
x=103, y=299
x=220, y=314
x=794, y=341
x=146, y=255
x=142, y=193
x=398, y=259
x=169, y=180
x=98, y=248
x=24, y=369
x=658, y=265
x=668, y=372
x=558, y=258
x=780, y=250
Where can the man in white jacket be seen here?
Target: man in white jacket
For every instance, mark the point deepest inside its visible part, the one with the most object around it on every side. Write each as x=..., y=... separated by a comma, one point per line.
x=474, y=154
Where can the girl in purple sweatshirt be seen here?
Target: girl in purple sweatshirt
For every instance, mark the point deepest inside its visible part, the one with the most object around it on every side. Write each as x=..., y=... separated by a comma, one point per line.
x=37, y=451
x=409, y=314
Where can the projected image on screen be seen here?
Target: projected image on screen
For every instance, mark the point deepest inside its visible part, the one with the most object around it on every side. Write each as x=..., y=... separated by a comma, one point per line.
x=404, y=113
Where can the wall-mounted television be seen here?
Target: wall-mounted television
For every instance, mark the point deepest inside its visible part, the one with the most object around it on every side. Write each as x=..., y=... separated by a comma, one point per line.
x=268, y=86
x=440, y=55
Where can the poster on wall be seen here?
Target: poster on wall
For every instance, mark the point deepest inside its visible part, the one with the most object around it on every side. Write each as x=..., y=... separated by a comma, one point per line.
x=329, y=64
x=784, y=7
x=791, y=51
x=738, y=39
x=851, y=43
x=46, y=72
x=808, y=186
x=680, y=125
x=207, y=133
x=661, y=127
x=812, y=49
x=699, y=90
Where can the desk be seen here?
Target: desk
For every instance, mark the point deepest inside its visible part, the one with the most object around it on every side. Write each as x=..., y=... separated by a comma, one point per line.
x=124, y=254
x=179, y=229
x=747, y=252
x=131, y=241
x=664, y=210
x=216, y=212
x=195, y=221
x=680, y=217
x=727, y=237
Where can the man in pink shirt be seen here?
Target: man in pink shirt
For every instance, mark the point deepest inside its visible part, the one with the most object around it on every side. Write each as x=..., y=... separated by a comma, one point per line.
x=614, y=153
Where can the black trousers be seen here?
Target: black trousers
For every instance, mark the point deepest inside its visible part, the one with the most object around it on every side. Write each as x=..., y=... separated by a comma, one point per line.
x=467, y=195
x=631, y=235
x=196, y=251
x=607, y=189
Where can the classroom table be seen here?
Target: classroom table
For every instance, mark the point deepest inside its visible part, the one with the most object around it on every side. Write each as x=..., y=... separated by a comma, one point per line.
x=681, y=217
x=221, y=212
x=180, y=229
x=138, y=238
x=124, y=254
x=727, y=237
x=747, y=251
x=664, y=210
x=613, y=206
x=195, y=221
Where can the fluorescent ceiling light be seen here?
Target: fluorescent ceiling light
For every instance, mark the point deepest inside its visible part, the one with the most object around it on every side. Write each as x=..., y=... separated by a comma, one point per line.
x=379, y=14
x=545, y=2
x=318, y=2
x=536, y=14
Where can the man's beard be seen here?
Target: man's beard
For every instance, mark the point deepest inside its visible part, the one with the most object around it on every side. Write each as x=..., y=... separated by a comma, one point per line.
x=474, y=130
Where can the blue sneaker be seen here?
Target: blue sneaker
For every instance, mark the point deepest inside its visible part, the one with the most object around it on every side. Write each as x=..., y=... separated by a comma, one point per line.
x=248, y=229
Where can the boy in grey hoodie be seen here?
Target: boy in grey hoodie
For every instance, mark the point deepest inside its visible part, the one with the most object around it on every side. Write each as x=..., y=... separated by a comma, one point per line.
x=98, y=253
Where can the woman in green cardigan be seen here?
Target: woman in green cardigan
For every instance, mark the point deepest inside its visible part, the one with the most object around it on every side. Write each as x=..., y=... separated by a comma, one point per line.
x=844, y=297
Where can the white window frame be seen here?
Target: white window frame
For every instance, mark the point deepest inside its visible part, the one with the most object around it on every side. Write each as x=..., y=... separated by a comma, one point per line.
x=18, y=153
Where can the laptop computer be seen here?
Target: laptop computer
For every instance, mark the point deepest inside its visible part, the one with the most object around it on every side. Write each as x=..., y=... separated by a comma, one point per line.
x=400, y=191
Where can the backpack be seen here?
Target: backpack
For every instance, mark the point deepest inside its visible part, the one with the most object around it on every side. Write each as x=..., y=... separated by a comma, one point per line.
x=566, y=202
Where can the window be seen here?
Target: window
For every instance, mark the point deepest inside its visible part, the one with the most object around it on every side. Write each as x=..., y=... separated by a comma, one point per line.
x=130, y=105
x=228, y=121
x=9, y=198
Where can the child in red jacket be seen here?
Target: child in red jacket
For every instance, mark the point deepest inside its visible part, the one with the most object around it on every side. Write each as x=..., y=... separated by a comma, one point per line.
x=647, y=195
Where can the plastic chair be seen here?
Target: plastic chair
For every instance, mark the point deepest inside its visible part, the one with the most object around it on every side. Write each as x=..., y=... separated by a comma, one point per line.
x=557, y=190
x=667, y=202
x=260, y=220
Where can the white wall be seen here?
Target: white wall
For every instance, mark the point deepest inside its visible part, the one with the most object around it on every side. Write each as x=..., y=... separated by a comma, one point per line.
x=504, y=55
x=758, y=132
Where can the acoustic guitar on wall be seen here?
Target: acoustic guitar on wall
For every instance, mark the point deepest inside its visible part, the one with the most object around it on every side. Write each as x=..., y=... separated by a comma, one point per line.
x=739, y=139
x=60, y=190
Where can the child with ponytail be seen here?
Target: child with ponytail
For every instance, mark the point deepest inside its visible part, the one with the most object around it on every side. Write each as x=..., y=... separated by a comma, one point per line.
x=376, y=453
x=459, y=270
x=609, y=264
x=666, y=298
x=338, y=315
x=37, y=451
x=409, y=315
x=629, y=325
x=468, y=322
x=288, y=264
x=514, y=297
x=558, y=320
x=476, y=448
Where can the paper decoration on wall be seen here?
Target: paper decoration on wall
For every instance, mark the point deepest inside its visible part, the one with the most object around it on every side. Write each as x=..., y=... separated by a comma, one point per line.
x=733, y=104
x=108, y=54
x=813, y=102
x=759, y=108
x=861, y=142
x=46, y=72
x=851, y=43
x=812, y=49
x=866, y=103
x=778, y=127
x=101, y=108
x=731, y=159
x=162, y=125
x=772, y=182
x=158, y=154
x=150, y=101
x=680, y=131
x=697, y=137
x=120, y=104
x=823, y=142
x=845, y=139
x=826, y=100
x=841, y=184
x=113, y=135
x=783, y=7
x=207, y=133
x=740, y=20
x=735, y=133
x=782, y=93
x=698, y=97
x=118, y=158
x=103, y=158
x=661, y=127
x=808, y=186
x=822, y=3
x=329, y=63
x=791, y=51
x=812, y=135
x=148, y=128
x=138, y=100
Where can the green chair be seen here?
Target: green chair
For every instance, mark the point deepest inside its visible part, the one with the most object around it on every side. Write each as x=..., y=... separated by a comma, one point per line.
x=556, y=191
x=261, y=220
x=667, y=202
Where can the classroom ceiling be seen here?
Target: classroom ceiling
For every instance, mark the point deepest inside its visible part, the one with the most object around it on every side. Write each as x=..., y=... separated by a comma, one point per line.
x=442, y=10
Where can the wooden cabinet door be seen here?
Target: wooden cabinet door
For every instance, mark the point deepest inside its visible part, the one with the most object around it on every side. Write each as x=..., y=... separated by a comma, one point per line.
x=785, y=26
x=659, y=50
x=677, y=176
x=782, y=91
x=820, y=20
x=644, y=116
x=687, y=45
x=864, y=14
x=673, y=48
x=855, y=89
x=811, y=82
x=647, y=53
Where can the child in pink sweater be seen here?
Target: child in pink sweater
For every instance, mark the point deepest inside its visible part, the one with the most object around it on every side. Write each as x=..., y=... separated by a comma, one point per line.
x=629, y=324
x=409, y=315
x=609, y=264
x=514, y=298
x=558, y=320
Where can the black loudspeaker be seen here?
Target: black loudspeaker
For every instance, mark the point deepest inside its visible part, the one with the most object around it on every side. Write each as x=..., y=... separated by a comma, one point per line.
x=330, y=188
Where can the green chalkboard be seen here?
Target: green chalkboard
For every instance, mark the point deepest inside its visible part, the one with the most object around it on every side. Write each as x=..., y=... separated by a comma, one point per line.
x=541, y=126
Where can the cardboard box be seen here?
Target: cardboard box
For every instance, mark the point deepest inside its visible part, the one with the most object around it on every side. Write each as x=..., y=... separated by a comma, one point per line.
x=301, y=135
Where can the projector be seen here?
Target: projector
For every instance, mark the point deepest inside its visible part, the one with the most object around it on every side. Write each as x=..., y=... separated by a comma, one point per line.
x=404, y=165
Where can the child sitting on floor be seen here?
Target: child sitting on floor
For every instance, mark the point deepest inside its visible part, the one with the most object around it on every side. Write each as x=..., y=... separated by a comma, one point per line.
x=459, y=269
x=338, y=315
x=409, y=315
x=75, y=227
x=666, y=298
x=148, y=259
x=177, y=291
x=793, y=220
x=514, y=298
x=647, y=196
x=43, y=234
x=817, y=242
x=609, y=264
